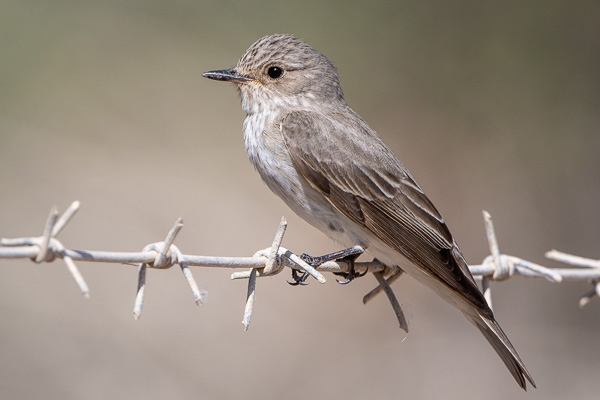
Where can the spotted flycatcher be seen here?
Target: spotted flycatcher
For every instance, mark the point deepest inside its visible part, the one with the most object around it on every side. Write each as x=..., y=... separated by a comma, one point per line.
x=331, y=168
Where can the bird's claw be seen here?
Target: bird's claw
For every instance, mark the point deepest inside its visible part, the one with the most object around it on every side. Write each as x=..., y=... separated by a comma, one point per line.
x=298, y=279
x=349, y=276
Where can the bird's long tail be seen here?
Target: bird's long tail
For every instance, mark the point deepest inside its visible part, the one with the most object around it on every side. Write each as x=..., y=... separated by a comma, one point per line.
x=499, y=341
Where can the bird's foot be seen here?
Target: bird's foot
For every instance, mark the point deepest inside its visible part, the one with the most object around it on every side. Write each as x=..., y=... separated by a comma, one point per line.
x=298, y=279
x=351, y=274
x=336, y=255
x=342, y=255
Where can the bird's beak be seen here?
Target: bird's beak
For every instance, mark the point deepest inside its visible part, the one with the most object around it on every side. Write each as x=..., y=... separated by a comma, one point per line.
x=230, y=75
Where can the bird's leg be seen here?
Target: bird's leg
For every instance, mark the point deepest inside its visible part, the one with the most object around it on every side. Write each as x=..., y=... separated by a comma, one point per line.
x=348, y=255
x=336, y=255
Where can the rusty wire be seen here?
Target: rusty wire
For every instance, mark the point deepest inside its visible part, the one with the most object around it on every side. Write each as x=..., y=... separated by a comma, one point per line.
x=273, y=260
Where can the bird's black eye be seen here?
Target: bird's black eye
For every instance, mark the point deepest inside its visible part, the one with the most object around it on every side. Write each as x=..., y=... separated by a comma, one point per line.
x=275, y=72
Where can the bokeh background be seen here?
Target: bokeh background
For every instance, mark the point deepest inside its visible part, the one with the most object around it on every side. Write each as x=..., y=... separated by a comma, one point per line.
x=492, y=105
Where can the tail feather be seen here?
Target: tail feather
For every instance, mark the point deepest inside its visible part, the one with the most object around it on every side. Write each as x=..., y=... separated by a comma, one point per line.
x=499, y=341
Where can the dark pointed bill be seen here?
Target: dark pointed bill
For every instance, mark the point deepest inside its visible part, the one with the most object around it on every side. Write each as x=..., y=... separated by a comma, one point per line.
x=225, y=75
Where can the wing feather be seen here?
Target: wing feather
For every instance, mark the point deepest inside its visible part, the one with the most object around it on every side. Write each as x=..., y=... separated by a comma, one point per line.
x=361, y=177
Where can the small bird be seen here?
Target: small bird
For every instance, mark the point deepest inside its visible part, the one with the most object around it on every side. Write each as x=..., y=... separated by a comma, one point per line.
x=333, y=170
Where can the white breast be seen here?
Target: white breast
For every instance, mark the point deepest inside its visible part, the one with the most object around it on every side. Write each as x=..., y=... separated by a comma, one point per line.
x=269, y=155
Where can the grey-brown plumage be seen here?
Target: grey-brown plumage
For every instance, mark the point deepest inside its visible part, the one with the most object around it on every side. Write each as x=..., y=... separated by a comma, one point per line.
x=332, y=169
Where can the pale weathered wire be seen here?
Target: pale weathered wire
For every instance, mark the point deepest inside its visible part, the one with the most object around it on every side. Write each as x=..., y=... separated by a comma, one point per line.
x=273, y=260
x=385, y=286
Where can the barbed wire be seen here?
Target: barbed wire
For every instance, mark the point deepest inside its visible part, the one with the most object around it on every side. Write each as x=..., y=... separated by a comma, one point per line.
x=274, y=259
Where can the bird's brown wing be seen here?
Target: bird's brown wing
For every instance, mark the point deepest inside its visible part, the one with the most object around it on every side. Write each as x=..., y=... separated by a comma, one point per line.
x=360, y=176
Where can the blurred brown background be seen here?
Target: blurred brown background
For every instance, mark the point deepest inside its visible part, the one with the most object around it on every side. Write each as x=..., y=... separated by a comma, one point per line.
x=491, y=106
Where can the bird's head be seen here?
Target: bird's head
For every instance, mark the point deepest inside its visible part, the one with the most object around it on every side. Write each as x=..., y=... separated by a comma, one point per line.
x=282, y=71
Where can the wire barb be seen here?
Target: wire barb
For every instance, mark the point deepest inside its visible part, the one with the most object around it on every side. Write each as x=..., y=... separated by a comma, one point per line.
x=189, y=277
x=162, y=259
x=47, y=248
x=65, y=218
x=141, y=289
x=44, y=252
x=83, y=287
x=166, y=255
x=273, y=265
x=250, y=299
x=590, y=270
x=391, y=279
x=393, y=301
